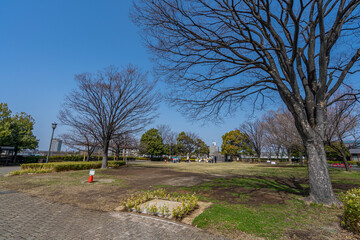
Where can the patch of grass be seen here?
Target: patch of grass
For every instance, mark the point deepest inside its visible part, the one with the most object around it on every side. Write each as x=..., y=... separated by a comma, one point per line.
x=240, y=196
x=250, y=183
x=268, y=221
x=233, y=168
x=71, y=178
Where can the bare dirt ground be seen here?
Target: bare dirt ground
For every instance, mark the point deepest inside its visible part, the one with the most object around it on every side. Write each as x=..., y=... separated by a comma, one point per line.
x=100, y=196
x=114, y=185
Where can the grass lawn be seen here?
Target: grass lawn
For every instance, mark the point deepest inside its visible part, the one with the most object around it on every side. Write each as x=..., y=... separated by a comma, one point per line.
x=250, y=201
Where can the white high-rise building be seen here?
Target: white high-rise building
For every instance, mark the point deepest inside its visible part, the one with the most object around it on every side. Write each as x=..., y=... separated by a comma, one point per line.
x=214, y=150
x=56, y=145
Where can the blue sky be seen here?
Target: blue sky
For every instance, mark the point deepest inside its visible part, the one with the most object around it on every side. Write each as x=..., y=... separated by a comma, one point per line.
x=44, y=43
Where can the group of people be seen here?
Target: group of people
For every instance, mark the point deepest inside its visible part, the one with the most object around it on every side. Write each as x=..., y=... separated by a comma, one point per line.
x=211, y=159
x=207, y=160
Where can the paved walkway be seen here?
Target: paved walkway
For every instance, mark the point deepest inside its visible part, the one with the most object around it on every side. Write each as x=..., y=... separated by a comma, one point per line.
x=6, y=170
x=26, y=217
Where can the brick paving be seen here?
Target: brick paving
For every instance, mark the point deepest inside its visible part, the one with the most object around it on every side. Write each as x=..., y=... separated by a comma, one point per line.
x=26, y=217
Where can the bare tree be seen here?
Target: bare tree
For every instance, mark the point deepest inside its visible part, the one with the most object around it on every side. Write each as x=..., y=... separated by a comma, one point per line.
x=122, y=142
x=225, y=51
x=343, y=122
x=168, y=136
x=79, y=140
x=281, y=132
x=111, y=101
x=256, y=134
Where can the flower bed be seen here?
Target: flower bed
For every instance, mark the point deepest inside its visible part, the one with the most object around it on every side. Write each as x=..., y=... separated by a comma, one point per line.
x=144, y=203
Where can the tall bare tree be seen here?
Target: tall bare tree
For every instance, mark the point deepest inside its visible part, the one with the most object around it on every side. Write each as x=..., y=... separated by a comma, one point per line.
x=281, y=131
x=169, y=138
x=121, y=142
x=256, y=135
x=111, y=101
x=224, y=51
x=77, y=139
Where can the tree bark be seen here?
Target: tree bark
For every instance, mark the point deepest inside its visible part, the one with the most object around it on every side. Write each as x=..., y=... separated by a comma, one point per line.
x=105, y=149
x=301, y=158
x=289, y=155
x=347, y=167
x=321, y=190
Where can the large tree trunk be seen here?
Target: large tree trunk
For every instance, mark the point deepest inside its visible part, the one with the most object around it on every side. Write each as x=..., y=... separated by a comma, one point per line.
x=321, y=190
x=289, y=155
x=105, y=149
x=347, y=167
x=311, y=127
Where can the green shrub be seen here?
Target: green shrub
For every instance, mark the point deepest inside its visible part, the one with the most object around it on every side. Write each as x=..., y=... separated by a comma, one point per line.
x=29, y=171
x=64, y=166
x=116, y=164
x=68, y=166
x=351, y=200
x=37, y=166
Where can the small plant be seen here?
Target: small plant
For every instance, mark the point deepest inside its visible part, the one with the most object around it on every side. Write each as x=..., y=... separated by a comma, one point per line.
x=351, y=200
x=153, y=209
x=188, y=203
x=137, y=208
x=177, y=212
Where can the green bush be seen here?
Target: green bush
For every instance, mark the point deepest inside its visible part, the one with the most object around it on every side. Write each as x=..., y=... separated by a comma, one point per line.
x=116, y=164
x=351, y=200
x=37, y=166
x=68, y=166
x=64, y=166
x=29, y=171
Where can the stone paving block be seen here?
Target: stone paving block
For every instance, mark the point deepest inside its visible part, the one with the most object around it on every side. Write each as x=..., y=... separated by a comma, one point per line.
x=26, y=217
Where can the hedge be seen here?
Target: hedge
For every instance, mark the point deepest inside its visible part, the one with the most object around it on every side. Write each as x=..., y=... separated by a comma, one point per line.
x=351, y=200
x=62, y=166
x=72, y=158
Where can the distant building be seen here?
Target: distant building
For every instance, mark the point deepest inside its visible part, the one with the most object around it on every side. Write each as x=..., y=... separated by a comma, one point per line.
x=355, y=154
x=214, y=150
x=56, y=145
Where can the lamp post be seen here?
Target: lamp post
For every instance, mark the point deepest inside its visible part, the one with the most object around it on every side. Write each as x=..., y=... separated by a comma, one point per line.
x=53, y=125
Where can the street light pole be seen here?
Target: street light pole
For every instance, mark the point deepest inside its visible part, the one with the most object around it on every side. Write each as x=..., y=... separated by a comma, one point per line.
x=53, y=125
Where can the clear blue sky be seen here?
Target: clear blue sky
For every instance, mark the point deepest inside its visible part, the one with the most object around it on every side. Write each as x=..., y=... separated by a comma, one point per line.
x=44, y=43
